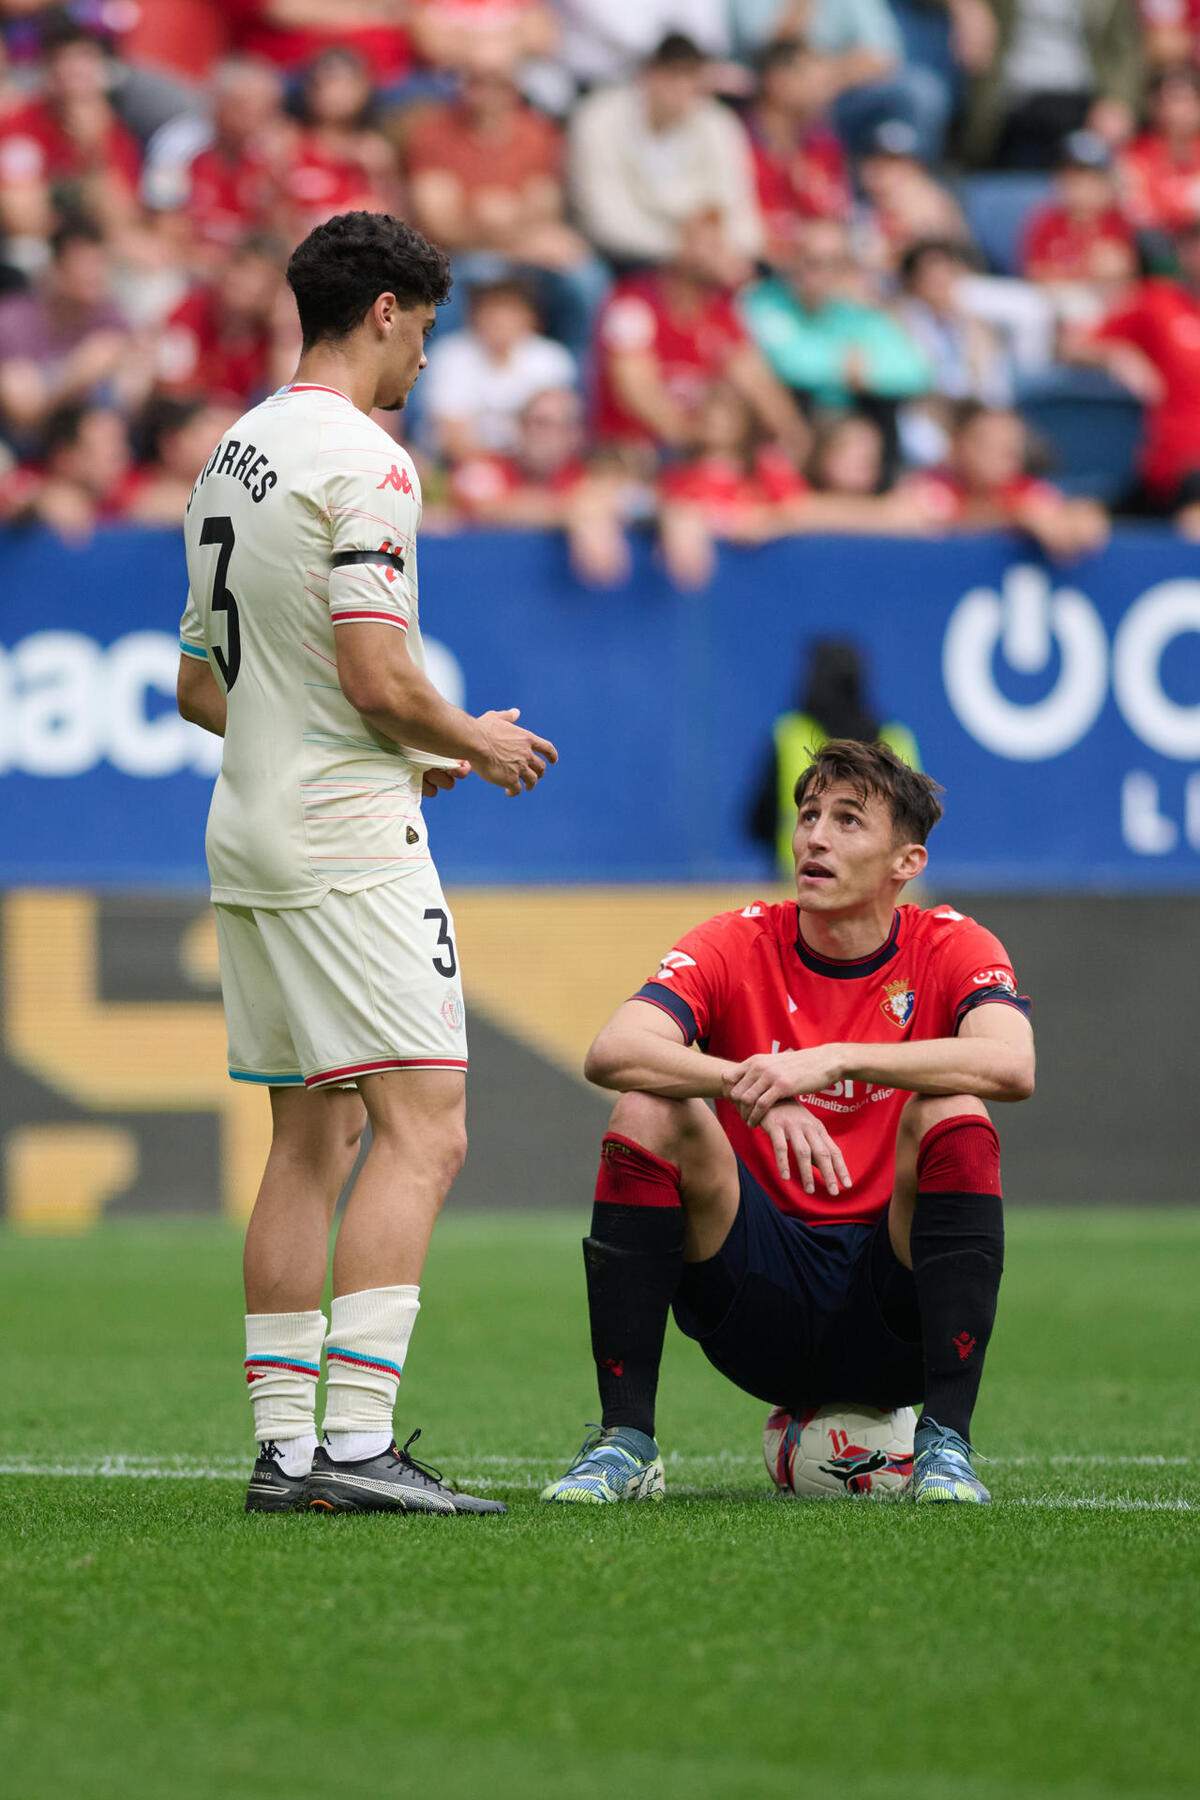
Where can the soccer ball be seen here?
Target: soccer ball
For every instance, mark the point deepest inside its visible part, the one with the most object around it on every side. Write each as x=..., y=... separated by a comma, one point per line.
x=837, y=1452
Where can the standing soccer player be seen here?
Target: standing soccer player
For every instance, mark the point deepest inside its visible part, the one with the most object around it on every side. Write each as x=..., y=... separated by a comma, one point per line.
x=842, y=1246
x=301, y=647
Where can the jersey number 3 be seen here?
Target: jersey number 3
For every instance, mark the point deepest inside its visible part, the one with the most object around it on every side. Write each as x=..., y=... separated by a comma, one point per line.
x=450, y=965
x=229, y=661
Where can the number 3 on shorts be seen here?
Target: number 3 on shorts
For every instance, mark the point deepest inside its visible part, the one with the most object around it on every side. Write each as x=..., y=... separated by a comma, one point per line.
x=445, y=941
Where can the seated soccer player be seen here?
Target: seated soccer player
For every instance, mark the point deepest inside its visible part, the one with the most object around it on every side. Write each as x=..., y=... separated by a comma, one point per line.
x=834, y=1232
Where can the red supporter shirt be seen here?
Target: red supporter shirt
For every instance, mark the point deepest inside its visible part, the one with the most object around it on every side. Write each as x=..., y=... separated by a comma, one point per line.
x=691, y=348
x=482, y=480
x=727, y=491
x=1163, y=319
x=319, y=184
x=444, y=140
x=944, y=497
x=384, y=48
x=229, y=197
x=35, y=147
x=746, y=983
x=808, y=181
x=200, y=353
x=1061, y=248
x=1162, y=190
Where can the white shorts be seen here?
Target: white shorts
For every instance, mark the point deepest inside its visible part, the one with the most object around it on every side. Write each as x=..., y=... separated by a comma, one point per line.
x=363, y=982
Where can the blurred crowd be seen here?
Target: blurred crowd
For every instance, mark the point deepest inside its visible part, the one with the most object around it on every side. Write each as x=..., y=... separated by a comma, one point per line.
x=724, y=269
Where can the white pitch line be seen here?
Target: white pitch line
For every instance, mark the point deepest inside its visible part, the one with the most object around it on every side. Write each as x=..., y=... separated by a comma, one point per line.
x=139, y=1468
x=119, y=1468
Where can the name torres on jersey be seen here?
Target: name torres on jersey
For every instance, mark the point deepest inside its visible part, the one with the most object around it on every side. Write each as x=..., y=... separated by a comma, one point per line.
x=245, y=463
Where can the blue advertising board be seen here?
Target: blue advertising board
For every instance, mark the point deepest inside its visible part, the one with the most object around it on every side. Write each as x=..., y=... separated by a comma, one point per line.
x=1060, y=708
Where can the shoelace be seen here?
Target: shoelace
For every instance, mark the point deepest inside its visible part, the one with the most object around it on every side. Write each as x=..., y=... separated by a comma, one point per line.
x=431, y=1476
x=591, y=1441
x=594, y=1444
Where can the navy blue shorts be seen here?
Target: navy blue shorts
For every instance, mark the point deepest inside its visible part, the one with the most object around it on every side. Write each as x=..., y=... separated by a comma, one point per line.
x=803, y=1315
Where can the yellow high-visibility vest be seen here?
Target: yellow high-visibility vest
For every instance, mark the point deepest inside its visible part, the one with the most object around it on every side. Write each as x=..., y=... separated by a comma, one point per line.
x=798, y=738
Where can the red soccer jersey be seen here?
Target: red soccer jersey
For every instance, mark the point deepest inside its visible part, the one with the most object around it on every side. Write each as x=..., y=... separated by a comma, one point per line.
x=727, y=491
x=384, y=48
x=808, y=181
x=1060, y=248
x=201, y=353
x=319, y=184
x=482, y=480
x=1161, y=183
x=34, y=146
x=690, y=347
x=943, y=497
x=745, y=983
x=229, y=197
x=1163, y=319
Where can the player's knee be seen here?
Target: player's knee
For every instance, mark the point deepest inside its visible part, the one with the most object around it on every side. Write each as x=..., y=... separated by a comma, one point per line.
x=923, y=1111
x=658, y=1124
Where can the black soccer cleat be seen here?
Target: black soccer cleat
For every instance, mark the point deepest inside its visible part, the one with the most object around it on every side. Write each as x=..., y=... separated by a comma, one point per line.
x=391, y=1482
x=270, y=1489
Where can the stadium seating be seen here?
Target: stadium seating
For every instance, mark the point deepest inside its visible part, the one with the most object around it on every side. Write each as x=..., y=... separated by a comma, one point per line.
x=1091, y=427
x=997, y=205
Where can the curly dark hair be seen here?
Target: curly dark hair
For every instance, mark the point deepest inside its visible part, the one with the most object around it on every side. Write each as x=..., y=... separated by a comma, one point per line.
x=911, y=797
x=342, y=267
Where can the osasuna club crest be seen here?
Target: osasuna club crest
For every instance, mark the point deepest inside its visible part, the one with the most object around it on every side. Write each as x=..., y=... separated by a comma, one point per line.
x=898, y=1002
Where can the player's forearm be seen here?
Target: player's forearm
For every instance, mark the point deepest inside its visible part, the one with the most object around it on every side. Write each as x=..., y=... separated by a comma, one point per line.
x=984, y=1067
x=645, y=397
x=407, y=708
x=640, y=1062
x=198, y=698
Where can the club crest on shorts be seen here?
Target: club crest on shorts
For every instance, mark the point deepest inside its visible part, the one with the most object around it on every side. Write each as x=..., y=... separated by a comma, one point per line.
x=452, y=1012
x=897, y=1003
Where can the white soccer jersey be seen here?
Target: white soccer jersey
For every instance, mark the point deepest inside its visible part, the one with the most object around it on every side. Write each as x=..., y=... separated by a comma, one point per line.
x=310, y=798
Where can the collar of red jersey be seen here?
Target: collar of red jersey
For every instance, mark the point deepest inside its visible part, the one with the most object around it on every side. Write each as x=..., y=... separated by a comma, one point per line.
x=851, y=968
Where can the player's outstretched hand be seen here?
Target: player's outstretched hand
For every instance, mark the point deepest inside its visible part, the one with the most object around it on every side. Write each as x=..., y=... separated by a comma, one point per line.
x=512, y=758
x=438, y=781
x=793, y=1129
x=762, y=1081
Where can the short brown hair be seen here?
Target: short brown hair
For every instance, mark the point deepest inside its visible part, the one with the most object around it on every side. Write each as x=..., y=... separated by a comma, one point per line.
x=911, y=797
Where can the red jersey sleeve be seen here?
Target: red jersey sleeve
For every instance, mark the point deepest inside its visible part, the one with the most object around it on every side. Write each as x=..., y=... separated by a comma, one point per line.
x=777, y=476
x=1131, y=324
x=694, y=980
x=972, y=969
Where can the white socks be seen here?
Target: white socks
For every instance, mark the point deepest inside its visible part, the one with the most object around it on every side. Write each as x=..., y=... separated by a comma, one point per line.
x=283, y=1361
x=364, y=1357
x=365, y=1352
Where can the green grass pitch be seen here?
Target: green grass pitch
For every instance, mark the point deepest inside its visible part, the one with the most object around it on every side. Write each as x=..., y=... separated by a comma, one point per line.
x=155, y=1642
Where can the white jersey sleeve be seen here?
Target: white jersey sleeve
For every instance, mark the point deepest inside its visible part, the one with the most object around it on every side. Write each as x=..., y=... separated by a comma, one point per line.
x=372, y=498
x=191, y=631
x=304, y=524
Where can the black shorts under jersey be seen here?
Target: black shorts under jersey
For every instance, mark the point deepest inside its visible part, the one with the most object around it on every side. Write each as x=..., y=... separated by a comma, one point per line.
x=805, y=1315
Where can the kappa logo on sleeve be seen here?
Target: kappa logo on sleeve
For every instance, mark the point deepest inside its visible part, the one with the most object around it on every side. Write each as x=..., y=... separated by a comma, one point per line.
x=995, y=978
x=674, y=959
x=398, y=479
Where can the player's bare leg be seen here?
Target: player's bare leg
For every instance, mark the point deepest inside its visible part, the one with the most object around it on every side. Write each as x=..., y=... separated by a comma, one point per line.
x=946, y=1224
x=418, y=1142
x=314, y=1140
x=667, y=1192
